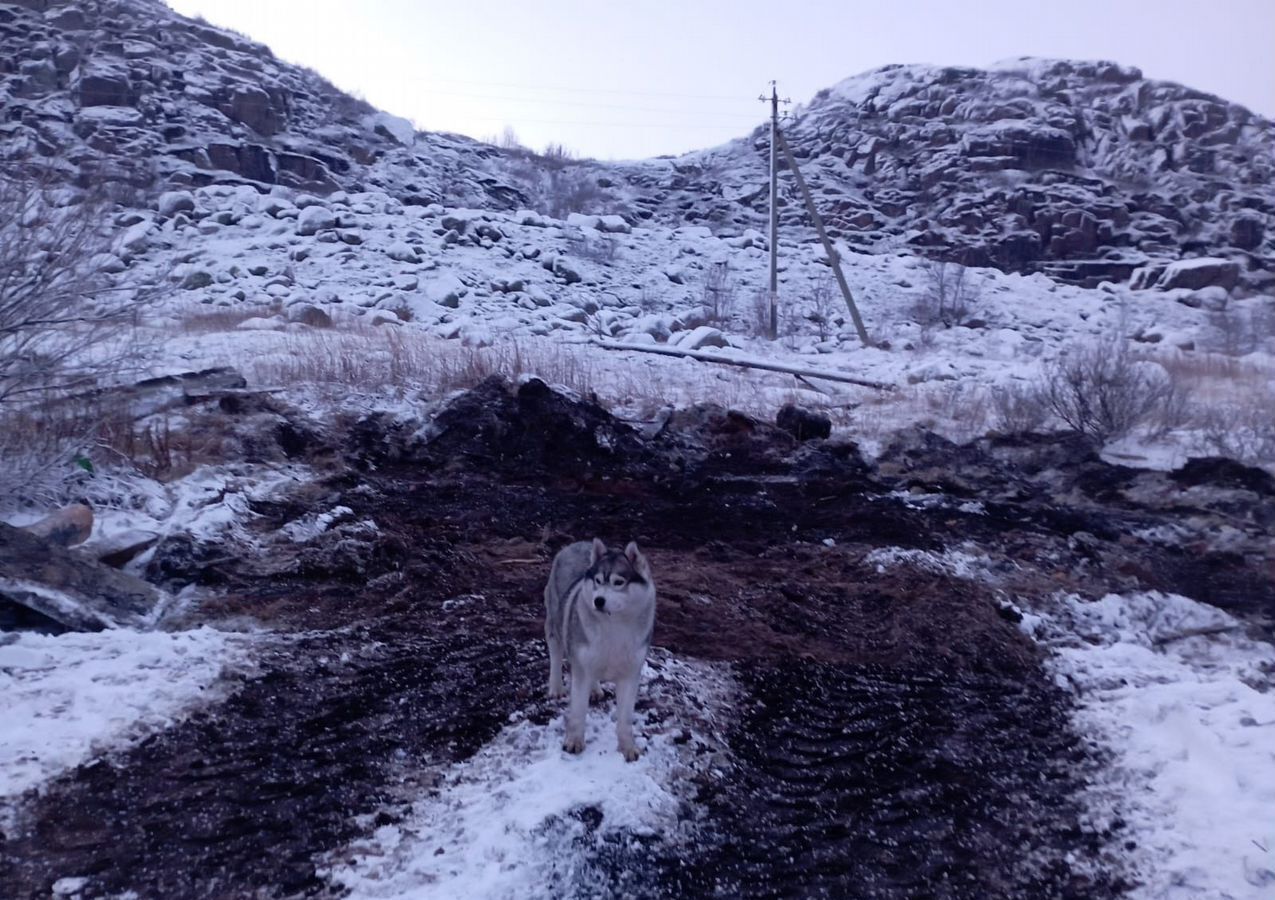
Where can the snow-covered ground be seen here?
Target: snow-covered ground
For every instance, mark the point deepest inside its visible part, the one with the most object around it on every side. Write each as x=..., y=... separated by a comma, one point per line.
x=510, y=822
x=1183, y=702
x=67, y=698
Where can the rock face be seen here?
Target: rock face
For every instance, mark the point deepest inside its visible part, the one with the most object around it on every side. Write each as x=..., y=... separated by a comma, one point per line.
x=1085, y=171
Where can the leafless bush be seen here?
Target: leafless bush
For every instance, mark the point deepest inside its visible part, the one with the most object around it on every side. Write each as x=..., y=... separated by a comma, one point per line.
x=1245, y=430
x=568, y=190
x=558, y=153
x=63, y=327
x=759, y=312
x=718, y=300
x=60, y=320
x=648, y=300
x=948, y=295
x=823, y=307
x=508, y=140
x=556, y=182
x=1019, y=408
x=1101, y=391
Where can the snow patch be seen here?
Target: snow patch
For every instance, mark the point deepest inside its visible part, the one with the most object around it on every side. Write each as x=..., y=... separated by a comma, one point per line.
x=507, y=822
x=1180, y=698
x=949, y=562
x=67, y=697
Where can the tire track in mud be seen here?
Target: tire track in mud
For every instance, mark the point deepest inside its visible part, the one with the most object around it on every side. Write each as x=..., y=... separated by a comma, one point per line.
x=851, y=781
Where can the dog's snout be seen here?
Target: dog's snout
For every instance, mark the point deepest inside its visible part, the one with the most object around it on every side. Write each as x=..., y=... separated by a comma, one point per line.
x=599, y=602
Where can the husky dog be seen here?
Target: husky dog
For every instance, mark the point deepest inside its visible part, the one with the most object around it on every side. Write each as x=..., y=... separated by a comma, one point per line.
x=599, y=615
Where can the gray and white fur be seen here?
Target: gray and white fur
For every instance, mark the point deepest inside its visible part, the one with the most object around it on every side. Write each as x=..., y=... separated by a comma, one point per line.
x=599, y=617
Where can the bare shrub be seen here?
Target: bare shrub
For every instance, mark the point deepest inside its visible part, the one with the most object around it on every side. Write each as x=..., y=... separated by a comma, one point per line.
x=1102, y=392
x=823, y=307
x=508, y=140
x=759, y=312
x=60, y=320
x=63, y=327
x=948, y=295
x=558, y=153
x=1018, y=408
x=961, y=406
x=1244, y=430
x=568, y=190
x=648, y=299
x=718, y=298
x=556, y=182
x=1231, y=332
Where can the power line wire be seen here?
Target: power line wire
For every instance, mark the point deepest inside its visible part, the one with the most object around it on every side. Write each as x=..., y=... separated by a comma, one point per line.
x=554, y=102
x=534, y=87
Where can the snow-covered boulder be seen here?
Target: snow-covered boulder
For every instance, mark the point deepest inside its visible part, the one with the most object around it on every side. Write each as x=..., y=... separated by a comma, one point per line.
x=701, y=337
x=395, y=128
x=172, y=202
x=613, y=225
x=314, y=219
x=402, y=252
x=580, y=220
x=445, y=290
x=1199, y=273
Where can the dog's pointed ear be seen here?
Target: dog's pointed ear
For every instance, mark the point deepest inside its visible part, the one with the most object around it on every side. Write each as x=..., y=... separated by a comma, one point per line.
x=638, y=560
x=597, y=551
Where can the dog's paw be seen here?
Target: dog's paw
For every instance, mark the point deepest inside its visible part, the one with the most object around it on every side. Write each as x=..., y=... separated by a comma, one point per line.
x=596, y=693
x=555, y=691
x=630, y=752
x=573, y=744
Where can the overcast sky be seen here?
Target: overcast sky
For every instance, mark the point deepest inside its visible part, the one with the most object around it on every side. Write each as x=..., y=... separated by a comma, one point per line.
x=634, y=79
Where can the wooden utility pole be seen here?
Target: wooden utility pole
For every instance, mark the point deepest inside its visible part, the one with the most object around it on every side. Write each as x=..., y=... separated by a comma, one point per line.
x=833, y=259
x=774, y=101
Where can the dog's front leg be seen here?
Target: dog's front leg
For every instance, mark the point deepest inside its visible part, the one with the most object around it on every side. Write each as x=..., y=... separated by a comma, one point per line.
x=625, y=698
x=577, y=708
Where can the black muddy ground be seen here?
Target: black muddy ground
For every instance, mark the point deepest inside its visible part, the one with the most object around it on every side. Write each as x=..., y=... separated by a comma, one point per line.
x=896, y=736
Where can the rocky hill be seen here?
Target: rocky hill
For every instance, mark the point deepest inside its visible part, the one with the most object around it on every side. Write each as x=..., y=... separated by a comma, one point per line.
x=1086, y=170
x=1083, y=170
